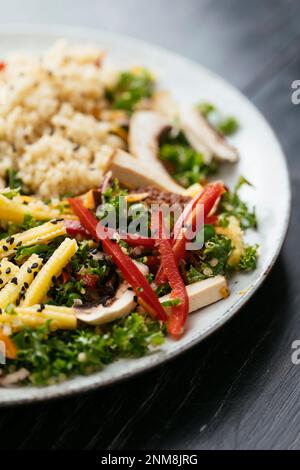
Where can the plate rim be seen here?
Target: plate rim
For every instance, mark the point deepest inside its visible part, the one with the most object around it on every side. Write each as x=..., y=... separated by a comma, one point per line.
x=59, y=391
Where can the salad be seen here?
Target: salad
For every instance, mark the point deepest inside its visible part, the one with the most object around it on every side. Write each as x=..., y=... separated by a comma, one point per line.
x=109, y=270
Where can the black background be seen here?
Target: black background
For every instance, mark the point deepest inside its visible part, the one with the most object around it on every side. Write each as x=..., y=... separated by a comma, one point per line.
x=238, y=389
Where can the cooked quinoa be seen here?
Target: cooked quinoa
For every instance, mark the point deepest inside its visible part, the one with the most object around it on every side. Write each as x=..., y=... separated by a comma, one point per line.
x=51, y=125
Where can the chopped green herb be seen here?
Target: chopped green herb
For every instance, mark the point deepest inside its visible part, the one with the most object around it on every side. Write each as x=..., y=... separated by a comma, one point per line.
x=206, y=108
x=130, y=89
x=187, y=165
x=228, y=126
x=54, y=357
x=213, y=259
x=13, y=180
x=231, y=204
x=248, y=259
x=171, y=303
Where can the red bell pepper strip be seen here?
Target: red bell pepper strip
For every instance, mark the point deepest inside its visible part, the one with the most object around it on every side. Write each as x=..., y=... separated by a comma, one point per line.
x=74, y=228
x=130, y=271
x=207, y=197
x=179, y=313
x=202, y=205
x=129, y=238
x=65, y=277
x=211, y=220
x=89, y=280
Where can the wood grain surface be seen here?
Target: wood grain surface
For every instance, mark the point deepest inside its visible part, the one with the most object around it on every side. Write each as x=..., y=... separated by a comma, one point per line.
x=238, y=389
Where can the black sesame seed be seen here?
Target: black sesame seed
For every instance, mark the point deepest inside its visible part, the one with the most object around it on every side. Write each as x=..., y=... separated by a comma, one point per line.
x=130, y=288
x=8, y=270
x=14, y=281
x=19, y=244
x=29, y=270
x=35, y=274
x=17, y=302
x=10, y=240
x=0, y=310
x=5, y=248
x=135, y=298
x=26, y=285
x=34, y=265
x=1, y=281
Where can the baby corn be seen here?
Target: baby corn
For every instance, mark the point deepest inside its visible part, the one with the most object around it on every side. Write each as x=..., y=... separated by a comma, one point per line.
x=38, y=235
x=15, y=211
x=37, y=315
x=43, y=281
x=19, y=283
x=7, y=271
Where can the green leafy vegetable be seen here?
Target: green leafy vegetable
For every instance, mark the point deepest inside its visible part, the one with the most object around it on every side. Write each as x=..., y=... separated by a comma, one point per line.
x=206, y=108
x=228, y=126
x=225, y=125
x=171, y=303
x=130, y=89
x=13, y=179
x=231, y=204
x=213, y=259
x=248, y=259
x=54, y=357
x=113, y=197
x=187, y=166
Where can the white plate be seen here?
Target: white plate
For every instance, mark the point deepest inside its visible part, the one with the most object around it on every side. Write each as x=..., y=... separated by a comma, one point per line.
x=262, y=162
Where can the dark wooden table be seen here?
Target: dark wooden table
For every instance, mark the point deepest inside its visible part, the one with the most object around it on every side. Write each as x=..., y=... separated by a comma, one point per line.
x=239, y=389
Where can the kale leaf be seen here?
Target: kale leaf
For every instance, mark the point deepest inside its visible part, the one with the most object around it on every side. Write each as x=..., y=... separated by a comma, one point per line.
x=130, y=89
x=231, y=204
x=54, y=357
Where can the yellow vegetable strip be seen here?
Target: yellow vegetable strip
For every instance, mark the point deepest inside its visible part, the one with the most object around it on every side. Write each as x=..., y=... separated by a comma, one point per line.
x=43, y=281
x=7, y=271
x=11, y=292
x=13, y=211
x=37, y=315
x=38, y=235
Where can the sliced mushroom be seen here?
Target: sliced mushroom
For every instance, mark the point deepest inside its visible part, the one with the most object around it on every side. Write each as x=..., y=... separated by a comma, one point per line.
x=135, y=174
x=145, y=130
x=201, y=135
x=204, y=138
x=164, y=103
x=200, y=294
x=123, y=304
x=204, y=293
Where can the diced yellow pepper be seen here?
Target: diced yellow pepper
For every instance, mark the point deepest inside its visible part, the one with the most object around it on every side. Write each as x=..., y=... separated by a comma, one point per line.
x=235, y=233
